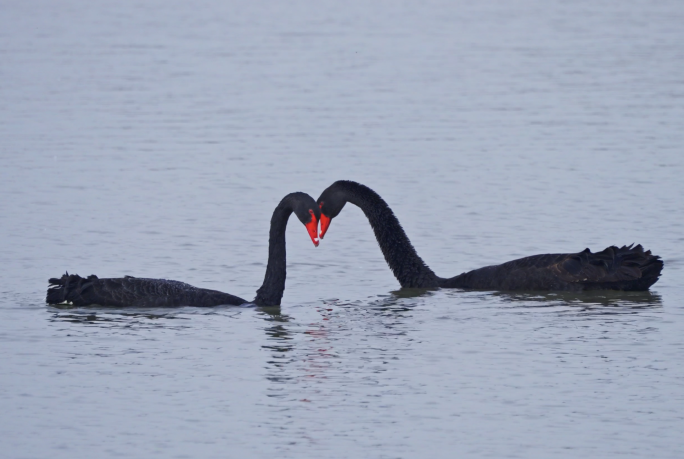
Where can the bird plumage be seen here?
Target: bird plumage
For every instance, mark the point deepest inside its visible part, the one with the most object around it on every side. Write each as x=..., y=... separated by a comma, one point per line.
x=133, y=292
x=141, y=292
x=624, y=268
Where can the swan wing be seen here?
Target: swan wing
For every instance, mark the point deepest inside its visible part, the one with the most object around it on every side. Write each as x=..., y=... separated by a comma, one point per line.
x=624, y=268
x=613, y=267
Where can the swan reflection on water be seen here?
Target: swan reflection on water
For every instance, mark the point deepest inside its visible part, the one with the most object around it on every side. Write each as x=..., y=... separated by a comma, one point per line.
x=145, y=317
x=599, y=298
x=279, y=338
x=610, y=301
x=607, y=302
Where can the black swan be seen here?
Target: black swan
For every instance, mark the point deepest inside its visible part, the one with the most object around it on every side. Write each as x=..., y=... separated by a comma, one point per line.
x=138, y=292
x=625, y=268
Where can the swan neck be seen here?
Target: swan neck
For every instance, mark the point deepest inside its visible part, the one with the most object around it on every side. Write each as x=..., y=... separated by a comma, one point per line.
x=402, y=258
x=271, y=291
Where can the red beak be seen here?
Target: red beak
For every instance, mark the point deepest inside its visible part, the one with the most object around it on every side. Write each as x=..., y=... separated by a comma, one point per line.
x=312, y=228
x=325, y=224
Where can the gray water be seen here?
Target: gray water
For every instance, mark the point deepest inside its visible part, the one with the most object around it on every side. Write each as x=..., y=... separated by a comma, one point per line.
x=154, y=139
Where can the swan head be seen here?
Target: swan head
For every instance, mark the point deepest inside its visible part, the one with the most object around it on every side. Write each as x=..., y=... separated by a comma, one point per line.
x=331, y=202
x=308, y=212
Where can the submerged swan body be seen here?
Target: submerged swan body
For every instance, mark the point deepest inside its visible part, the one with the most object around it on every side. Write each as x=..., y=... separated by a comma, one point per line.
x=624, y=268
x=139, y=292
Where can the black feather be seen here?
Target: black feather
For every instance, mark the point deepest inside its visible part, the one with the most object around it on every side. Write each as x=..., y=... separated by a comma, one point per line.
x=133, y=291
x=625, y=268
x=140, y=292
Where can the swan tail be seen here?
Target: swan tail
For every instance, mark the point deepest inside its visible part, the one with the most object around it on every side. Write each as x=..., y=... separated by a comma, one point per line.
x=625, y=268
x=70, y=288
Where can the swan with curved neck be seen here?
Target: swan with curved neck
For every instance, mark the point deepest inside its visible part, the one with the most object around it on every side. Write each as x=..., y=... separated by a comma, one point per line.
x=139, y=292
x=625, y=268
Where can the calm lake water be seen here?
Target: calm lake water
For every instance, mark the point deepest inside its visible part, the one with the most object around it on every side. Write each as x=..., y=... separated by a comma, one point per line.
x=154, y=139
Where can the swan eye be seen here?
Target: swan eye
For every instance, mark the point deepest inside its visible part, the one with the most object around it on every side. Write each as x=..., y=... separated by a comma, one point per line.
x=320, y=206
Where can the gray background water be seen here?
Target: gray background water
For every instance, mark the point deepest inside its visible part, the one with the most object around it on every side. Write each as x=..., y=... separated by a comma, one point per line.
x=155, y=139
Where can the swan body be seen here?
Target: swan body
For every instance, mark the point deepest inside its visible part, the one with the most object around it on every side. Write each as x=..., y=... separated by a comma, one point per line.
x=625, y=268
x=141, y=292
x=133, y=292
